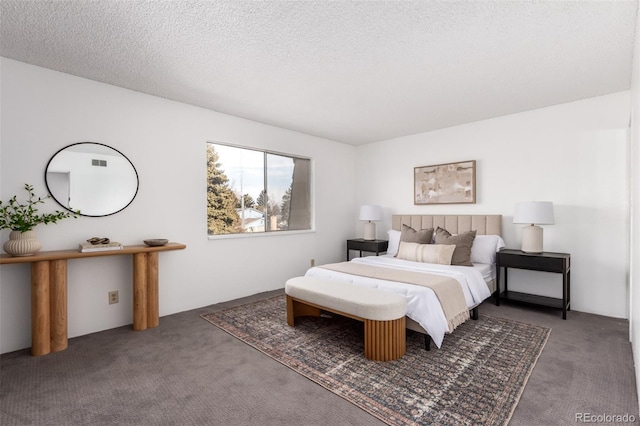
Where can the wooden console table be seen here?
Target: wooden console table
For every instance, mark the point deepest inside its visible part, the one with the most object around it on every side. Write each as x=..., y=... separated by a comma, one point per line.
x=49, y=291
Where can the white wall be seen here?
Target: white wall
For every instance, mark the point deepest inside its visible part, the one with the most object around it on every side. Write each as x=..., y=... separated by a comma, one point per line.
x=634, y=329
x=572, y=154
x=43, y=110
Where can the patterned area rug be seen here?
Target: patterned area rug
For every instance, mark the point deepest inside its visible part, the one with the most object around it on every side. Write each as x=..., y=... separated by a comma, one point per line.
x=476, y=378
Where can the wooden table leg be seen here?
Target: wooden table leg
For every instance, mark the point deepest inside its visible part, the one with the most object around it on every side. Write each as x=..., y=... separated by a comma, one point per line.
x=40, y=309
x=140, y=291
x=58, y=276
x=153, y=314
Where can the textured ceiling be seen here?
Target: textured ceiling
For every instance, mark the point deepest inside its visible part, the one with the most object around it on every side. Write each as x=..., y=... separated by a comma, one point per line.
x=354, y=72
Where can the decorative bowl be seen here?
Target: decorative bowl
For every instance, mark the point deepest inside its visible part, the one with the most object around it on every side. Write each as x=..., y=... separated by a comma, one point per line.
x=156, y=242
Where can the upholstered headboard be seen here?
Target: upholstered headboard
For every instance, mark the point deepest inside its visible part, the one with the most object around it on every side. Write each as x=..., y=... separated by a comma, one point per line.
x=482, y=224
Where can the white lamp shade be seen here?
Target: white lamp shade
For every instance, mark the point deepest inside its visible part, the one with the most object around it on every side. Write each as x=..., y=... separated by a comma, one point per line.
x=370, y=212
x=534, y=212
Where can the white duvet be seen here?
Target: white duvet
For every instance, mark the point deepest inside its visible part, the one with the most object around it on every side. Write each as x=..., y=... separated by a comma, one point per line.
x=423, y=305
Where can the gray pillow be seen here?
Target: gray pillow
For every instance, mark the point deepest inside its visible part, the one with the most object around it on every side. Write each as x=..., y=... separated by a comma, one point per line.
x=463, y=243
x=410, y=235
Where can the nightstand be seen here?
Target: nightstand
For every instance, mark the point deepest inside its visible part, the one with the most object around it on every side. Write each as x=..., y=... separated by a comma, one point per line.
x=545, y=261
x=372, y=246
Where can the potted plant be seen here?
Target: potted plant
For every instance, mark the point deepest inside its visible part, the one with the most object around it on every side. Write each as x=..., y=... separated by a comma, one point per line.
x=21, y=218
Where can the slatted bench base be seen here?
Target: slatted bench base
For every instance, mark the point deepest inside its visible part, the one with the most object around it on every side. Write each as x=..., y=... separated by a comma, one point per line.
x=383, y=340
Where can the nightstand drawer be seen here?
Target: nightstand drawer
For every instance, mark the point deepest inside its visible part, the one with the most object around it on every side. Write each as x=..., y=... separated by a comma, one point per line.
x=535, y=263
x=373, y=246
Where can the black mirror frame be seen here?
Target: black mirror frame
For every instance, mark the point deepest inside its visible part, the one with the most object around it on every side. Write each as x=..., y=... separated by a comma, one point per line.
x=94, y=143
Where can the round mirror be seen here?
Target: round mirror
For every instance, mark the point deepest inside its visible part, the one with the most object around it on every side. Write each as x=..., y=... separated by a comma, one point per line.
x=91, y=177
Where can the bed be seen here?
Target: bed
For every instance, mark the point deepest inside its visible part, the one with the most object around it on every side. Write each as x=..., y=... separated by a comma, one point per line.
x=425, y=312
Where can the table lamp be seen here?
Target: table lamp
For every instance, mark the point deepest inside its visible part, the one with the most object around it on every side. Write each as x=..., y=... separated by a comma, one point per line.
x=370, y=214
x=534, y=213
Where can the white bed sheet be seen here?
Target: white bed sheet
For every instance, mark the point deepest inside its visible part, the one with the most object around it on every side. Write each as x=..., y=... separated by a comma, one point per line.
x=423, y=305
x=488, y=271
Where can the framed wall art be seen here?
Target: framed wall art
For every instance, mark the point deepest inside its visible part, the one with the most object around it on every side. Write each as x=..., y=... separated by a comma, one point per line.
x=452, y=183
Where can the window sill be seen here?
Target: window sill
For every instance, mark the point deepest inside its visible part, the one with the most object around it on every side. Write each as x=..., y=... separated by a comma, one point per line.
x=259, y=234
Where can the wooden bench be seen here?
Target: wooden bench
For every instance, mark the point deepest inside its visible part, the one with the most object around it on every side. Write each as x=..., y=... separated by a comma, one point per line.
x=383, y=313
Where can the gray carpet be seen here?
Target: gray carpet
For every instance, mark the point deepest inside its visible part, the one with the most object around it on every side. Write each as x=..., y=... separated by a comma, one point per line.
x=187, y=372
x=476, y=377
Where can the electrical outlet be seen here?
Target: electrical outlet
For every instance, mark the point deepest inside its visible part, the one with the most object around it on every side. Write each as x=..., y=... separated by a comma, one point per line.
x=113, y=297
x=312, y=262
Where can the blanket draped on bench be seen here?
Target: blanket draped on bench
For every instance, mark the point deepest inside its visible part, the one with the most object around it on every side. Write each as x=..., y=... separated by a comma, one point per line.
x=447, y=289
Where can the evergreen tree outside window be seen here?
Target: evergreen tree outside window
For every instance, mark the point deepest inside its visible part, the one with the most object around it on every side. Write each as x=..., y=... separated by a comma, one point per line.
x=254, y=191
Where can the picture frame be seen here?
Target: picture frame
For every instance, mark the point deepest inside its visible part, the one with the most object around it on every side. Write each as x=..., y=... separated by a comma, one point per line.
x=449, y=183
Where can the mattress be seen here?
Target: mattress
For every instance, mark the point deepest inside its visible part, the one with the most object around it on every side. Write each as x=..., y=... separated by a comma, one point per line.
x=423, y=305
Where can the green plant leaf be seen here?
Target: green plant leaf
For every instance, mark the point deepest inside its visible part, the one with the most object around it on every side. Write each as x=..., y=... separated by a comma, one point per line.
x=24, y=216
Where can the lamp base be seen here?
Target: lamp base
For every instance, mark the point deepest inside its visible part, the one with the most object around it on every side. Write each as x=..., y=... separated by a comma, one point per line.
x=370, y=231
x=532, y=239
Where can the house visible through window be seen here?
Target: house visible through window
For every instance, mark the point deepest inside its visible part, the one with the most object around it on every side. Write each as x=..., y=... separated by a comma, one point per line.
x=250, y=190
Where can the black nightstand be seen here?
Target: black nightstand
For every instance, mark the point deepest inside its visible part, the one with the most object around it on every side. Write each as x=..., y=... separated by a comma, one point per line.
x=545, y=261
x=372, y=246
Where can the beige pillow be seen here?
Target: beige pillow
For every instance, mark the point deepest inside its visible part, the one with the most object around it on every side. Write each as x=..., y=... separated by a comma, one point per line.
x=426, y=253
x=410, y=235
x=463, y=243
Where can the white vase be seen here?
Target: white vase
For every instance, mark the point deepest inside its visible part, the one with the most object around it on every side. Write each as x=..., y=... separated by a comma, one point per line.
x=22, y=243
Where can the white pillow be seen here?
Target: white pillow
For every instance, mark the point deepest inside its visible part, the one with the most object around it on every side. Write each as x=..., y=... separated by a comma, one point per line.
x=394, y=242
x=440, y=254
x=484, y=248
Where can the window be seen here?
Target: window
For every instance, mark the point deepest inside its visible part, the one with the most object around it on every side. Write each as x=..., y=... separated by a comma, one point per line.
x=256, y=191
